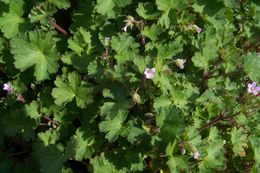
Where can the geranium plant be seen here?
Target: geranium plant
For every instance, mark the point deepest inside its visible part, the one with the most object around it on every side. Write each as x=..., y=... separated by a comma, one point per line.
x=118, y=86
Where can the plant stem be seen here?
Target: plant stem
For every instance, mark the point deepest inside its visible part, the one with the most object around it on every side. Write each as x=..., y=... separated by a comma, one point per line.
x=57, y=26
x=216, y=120
x=18, y=153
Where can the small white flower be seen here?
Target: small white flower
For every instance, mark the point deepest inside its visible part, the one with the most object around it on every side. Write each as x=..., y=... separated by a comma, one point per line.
x=149, y=73
x=180, y=63
x=8, y=87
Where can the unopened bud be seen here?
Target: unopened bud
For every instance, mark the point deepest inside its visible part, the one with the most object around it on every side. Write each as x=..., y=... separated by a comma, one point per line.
x=136, y=98
x=107, y=41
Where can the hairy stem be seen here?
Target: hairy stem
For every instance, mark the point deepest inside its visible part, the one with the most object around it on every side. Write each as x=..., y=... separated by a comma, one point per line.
x=57, y=26
x=216, y=120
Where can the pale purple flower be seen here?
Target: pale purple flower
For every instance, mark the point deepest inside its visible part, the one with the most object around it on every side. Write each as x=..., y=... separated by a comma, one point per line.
x=253, y=88
x=196, y=155
x=8, y=87
x=180, y=63
x=149, y=73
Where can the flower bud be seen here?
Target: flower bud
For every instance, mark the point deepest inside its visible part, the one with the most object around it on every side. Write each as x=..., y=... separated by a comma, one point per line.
x=107, y=41
x=136, y=98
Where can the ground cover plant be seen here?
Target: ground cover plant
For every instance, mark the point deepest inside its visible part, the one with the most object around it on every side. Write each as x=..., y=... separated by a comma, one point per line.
x=118, y=86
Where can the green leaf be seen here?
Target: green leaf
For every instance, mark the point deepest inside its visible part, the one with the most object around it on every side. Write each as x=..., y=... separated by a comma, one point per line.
x=125, y=47
x=6, y=1
x=170, y=122
x=167, y=51
x=213, y=12
x=239, y=141
x=134, y=131
x=119, y=104
x=255, y=143
x=66, y=91
x=16, y=122
x=80, y=42
x=82, y=15
x=161, y=101
x=10, y=22
x=193, y=137
x=136, y=160
x=123, y=3
x=111, y=109
x=101, y=163
x=32, y=110
x=164, y=20
x=105, y=7
x=83, y=141
x=49, y=157
x=208, y=51
x=214, y=158
x=152, y=32
x=178, y=164
x=165, y=5
x=48, y=137
x=114, y=127
x=251, y=62
x=147, y=11
x=61, y=4
x=37, y=50
x=231, y=3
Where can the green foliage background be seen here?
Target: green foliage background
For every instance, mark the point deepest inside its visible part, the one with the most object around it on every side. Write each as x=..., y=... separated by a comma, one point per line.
x=88, y=106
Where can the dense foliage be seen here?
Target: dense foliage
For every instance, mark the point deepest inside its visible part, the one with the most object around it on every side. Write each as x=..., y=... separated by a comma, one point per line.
x=116, y=86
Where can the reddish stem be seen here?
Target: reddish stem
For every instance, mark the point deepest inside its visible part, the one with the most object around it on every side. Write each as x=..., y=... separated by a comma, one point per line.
x=57, y=27
x=215, y=121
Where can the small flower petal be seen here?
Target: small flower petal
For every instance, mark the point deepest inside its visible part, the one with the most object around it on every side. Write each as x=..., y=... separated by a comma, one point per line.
x=125, y=28
x=253, y=84
x=256, y=90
